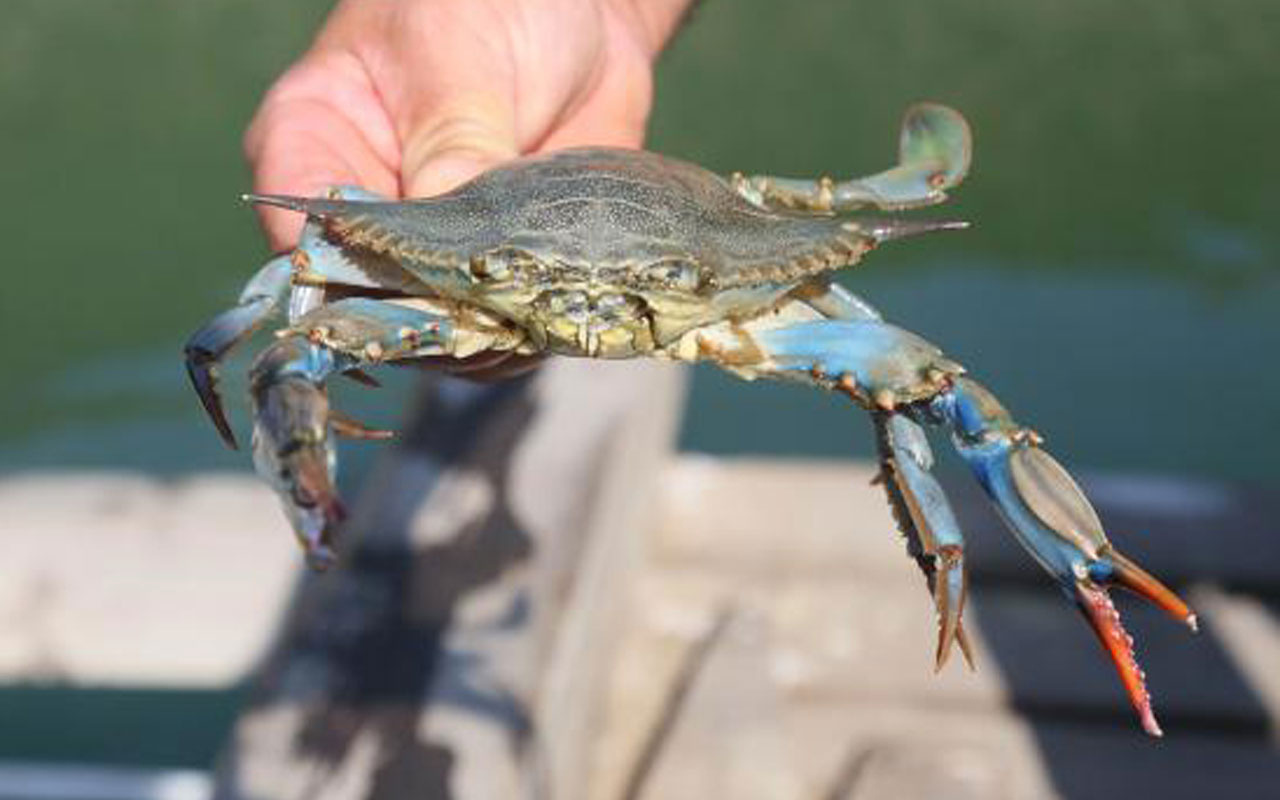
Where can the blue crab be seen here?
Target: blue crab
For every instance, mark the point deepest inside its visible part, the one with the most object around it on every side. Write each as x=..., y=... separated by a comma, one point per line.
x=606, y=253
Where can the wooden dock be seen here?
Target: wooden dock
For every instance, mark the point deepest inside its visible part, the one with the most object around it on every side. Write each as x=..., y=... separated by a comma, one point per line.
x=779, y=645
x=544, y=602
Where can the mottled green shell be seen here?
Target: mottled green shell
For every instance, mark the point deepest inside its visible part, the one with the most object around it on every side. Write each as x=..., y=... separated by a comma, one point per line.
x=602, y=215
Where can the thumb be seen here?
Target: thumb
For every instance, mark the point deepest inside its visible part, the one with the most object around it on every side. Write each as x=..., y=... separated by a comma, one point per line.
x=453, y=141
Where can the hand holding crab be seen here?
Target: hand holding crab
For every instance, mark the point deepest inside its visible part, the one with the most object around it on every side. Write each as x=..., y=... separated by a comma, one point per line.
x=408, y=98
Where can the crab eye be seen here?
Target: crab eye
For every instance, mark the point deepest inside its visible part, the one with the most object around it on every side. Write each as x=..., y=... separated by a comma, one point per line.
x=675, y=274
x=499, y=266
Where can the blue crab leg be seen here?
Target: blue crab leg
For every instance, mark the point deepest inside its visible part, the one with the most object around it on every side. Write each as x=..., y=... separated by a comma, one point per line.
x=261, y=297
x=934, y=150
x=892, y=371
x=919, y=505
x=292, y=421
x=925, y=517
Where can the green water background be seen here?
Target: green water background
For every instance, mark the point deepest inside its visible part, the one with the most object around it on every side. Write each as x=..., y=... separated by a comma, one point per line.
x=1119, y=288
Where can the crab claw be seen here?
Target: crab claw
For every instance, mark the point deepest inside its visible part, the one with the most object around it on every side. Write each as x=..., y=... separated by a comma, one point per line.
x=1052, y=518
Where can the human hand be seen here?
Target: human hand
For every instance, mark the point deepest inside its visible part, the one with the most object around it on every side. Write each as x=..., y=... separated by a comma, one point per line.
x=408, y=98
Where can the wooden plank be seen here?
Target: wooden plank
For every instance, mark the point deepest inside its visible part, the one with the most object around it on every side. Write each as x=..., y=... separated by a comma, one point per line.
x=1053, y=667
x=120, y=579
x=745, y=515
x=831, y=666
x=807, y=512
x=1089, y=761
x=446, y=657
x=1249, y=629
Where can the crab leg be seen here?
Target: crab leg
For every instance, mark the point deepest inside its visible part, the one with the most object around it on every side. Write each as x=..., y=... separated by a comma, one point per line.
x=925, y=517
x=292, y=422
x=919, y=505
x=895, y=373
x=934, y=150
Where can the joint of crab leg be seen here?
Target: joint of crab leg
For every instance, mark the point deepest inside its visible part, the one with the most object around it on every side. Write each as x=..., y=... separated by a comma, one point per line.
x=373, y=331
x=1115, y=568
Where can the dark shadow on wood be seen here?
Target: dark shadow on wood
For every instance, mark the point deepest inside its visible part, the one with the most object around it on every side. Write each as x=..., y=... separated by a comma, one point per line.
x=365, y=638
x=673, y=704
x=476, y=593
x=1216, y=727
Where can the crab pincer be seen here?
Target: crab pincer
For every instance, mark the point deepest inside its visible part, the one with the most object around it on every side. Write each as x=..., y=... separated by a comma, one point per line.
x=1051, y=517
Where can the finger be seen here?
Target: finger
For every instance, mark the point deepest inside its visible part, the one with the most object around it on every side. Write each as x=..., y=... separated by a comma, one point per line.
x=447, y=78
x=320, y=126
x=615, y=110
x=454, y=137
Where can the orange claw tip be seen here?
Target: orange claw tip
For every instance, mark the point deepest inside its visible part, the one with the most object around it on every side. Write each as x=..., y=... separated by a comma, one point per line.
x=1140, y=582
x=1105, y=621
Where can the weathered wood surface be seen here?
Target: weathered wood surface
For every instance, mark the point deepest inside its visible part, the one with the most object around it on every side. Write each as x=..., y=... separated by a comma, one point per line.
x=820, y=684
x=775, y=642
x=118, y=579
x=457, y=651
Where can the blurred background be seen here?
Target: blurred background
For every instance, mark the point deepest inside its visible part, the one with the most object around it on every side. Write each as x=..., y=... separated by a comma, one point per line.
x=1119, y=288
